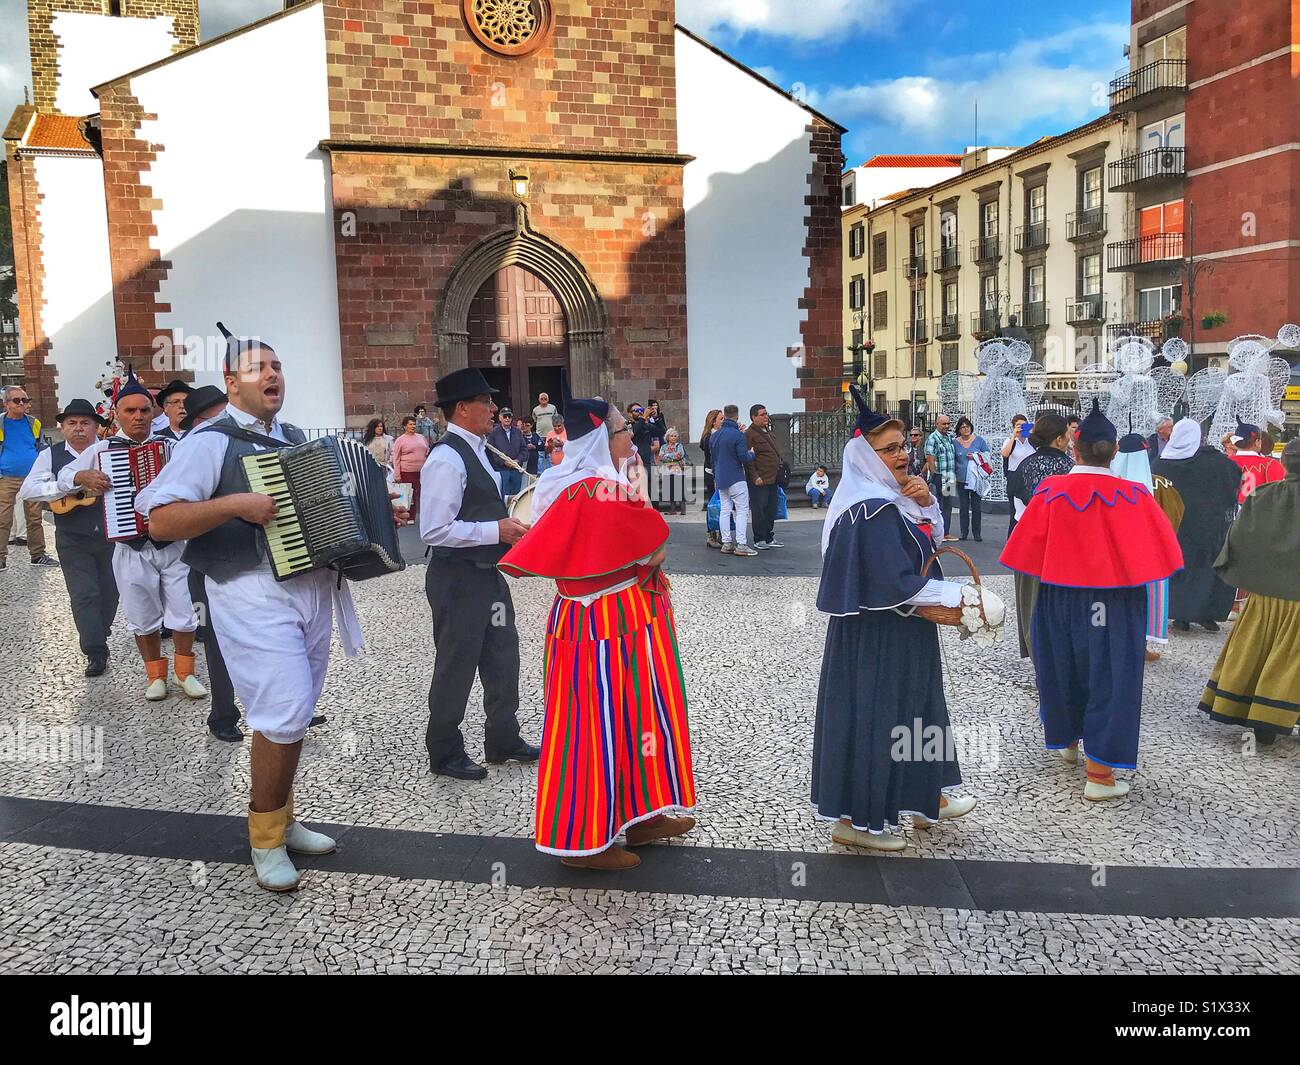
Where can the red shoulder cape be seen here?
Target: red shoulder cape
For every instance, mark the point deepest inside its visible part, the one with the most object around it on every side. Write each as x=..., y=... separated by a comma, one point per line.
x=592, y=529
x=1090, y=530
x=1257, y=470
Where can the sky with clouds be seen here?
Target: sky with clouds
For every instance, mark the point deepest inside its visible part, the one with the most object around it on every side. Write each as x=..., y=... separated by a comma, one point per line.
x=902, y=75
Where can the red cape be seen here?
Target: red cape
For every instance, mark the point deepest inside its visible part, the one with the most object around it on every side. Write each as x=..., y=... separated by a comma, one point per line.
x=592, y=529
x=1257, y=470
x=1091, y=530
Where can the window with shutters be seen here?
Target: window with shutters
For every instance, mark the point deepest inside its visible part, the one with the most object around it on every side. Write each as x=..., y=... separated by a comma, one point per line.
x=879, y=253
x=880, y=365
x=857, y=293
x=857, y=241
x=1090, y=189
x=1036, y=284
x=989, y=218
x=879, y=310
x=1036, y=205
x=948, y=358
x=919, y=361
x=1090, y=275
x=882, y=401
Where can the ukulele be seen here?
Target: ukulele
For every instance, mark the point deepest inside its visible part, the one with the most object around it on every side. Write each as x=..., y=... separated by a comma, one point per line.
x=67, y=504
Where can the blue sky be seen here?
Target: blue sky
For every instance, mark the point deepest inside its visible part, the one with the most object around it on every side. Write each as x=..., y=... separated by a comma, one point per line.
x=902, y=75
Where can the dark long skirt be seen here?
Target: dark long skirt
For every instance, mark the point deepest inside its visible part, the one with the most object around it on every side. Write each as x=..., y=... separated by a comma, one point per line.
x=1026, y=596
x=1195, y=592
x=882, y=745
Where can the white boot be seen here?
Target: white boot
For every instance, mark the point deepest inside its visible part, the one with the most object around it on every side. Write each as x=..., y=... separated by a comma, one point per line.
x=1068, y=754
x=184, y=667
x=957, y=806
x=1094, y=792
x=848, y=836
x=298, y=837
x=157, y=674
x=266, y=837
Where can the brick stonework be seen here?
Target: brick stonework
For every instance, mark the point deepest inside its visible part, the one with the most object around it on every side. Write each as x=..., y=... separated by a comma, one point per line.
x=137, y=270
x=39, y=372
x=44, y=47
x=417, y=215
x=821, y=330
x=1257, y=291
x=407, y=73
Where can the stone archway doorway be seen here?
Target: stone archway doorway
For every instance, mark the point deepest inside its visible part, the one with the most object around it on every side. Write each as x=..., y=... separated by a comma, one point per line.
x=518, y=337
x=549, y=294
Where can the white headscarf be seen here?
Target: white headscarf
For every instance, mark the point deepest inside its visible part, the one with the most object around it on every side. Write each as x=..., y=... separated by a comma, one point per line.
x=865, y=476
x=588, y=456
x=1184, y=441
x=1133, y=466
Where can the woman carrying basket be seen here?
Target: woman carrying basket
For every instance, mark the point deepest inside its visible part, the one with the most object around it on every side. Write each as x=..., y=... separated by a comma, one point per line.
x=882, y=745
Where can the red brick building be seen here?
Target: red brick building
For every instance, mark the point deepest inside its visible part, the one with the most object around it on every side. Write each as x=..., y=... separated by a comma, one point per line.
x=414, y=188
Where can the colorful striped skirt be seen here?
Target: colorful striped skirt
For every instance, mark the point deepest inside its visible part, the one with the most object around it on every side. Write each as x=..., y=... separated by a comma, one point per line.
x=1158, y=611
x=615, y=745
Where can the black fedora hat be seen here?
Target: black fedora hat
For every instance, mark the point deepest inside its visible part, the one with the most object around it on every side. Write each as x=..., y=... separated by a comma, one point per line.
x=170, y=389
x=199, y=400
x=463, y=384
x=80, y=408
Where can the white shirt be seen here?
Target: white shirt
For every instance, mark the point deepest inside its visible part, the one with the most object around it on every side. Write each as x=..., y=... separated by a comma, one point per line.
x=1094, y=469
x=193, y=472
x=40, y=486
x=442, y=490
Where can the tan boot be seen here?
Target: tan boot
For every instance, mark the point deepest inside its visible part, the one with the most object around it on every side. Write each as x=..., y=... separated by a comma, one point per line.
x=661, y=827
x=271, y=863
x=615, y=859
x=156, y=672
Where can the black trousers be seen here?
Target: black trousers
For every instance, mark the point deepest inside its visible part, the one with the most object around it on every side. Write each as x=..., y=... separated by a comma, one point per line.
x=92, y=588
x=762, y=509
x=970, y=511
x=222, y=709
x=473, y=632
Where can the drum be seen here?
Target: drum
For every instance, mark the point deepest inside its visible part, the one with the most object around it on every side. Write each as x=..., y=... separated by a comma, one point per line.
x=521, y=505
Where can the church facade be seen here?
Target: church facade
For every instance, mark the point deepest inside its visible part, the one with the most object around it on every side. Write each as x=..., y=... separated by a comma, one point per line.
x=388, y=191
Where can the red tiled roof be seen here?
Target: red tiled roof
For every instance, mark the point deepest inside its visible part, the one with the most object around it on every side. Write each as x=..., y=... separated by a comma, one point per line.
x=58, y=132
x=914, y=160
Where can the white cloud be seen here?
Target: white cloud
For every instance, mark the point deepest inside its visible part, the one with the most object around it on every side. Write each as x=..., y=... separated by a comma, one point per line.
x=799, y=20
x=1056, y=81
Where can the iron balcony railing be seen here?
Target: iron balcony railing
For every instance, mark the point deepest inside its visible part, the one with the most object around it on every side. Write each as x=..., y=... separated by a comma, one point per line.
x=1085, y=309
x=986, y=249
x=914, y=265
x=1080, y=225
x=1033, y=315
x=1154, y=331
x=984, y=322
x=1155, y=249
x=1143, y=86
x=947, y=326
x=1155, y=164
x=948, y=258
x=1032, y=236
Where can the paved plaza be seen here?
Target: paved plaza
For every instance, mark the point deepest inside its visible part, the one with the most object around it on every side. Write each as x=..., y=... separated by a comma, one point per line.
x=132, y=857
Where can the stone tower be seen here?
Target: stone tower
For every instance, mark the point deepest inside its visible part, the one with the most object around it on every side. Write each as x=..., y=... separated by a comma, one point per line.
x=76, y=44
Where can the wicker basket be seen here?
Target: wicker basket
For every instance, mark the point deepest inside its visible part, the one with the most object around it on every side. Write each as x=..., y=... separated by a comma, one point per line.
x=948, y=615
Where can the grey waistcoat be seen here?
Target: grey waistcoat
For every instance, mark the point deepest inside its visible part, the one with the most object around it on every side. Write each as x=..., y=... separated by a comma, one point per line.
x=235, y=546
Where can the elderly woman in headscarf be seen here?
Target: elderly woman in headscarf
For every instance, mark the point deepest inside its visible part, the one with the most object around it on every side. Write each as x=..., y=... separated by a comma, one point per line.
x=1256, y=681
x=1208, y=482
x=616, y=749
x=882, y=745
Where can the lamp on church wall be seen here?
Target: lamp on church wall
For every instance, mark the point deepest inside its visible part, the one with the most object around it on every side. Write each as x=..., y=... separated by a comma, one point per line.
x=519, y=183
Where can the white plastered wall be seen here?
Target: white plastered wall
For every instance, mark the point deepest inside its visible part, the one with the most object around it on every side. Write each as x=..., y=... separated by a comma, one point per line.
x=246, y=217
x=93, y=48
x=745, y=231
x=77, y=280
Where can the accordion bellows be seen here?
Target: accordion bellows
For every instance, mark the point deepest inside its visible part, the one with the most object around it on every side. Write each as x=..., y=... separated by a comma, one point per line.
x=333, y=509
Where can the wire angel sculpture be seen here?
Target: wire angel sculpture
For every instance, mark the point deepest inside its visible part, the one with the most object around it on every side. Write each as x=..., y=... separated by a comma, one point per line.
x=1141, y=397
x=1254, y=393
x=957, y=392
x=1093, y=381
x=1000, y=393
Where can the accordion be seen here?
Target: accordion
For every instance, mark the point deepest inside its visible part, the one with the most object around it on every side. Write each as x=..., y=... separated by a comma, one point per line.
x=129, y=467
x=333, y=509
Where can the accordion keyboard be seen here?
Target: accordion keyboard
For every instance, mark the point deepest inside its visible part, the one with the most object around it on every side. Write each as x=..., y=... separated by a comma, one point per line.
x=286, y=544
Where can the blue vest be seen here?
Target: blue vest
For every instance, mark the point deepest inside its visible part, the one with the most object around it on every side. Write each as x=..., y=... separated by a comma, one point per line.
x=83, y=521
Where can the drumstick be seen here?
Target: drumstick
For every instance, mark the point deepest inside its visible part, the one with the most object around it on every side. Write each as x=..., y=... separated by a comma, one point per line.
x=506, y=458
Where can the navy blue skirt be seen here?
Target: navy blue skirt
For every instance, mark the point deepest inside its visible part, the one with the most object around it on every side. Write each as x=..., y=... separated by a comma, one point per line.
x=882, y=745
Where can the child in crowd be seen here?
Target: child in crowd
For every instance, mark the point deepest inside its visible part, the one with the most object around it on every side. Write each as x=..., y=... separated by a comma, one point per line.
x=819, y=488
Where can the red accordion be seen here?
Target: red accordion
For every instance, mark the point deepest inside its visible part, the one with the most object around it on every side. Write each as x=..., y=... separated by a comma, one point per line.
x=130, y=468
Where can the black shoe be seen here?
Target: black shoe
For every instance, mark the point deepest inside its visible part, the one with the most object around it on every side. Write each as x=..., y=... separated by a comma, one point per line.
x=1181, y=626
x=45, y=560
x=524, y=752
x=96, y=665
x=1209, y=626
x=1264, y=739
x=19, y=541
x=318, y=719
x=461, y=767
x=979, y=539
x=229, y=733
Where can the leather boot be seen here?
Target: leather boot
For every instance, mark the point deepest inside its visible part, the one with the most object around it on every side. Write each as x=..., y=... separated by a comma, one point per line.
x=271, y=863
x=156, y=671
x=184, y=666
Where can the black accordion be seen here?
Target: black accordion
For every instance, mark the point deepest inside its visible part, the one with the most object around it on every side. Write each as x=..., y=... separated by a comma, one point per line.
x=334, y=509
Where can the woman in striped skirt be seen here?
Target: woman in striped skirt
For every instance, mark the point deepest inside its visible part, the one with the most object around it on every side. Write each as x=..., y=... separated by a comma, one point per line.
x=616, y=750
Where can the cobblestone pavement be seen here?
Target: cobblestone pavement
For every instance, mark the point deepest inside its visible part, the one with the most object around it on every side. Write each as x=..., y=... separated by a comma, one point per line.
x=751, y=648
